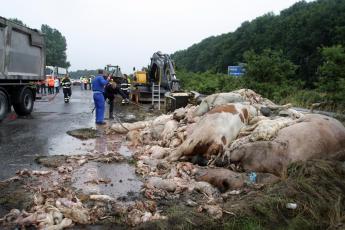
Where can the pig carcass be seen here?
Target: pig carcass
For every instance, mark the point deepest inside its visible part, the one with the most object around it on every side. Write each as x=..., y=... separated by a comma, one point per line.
x=215, y=130
x=316, y=136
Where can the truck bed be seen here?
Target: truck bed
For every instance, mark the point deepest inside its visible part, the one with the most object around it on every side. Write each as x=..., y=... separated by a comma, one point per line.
x=22, y=52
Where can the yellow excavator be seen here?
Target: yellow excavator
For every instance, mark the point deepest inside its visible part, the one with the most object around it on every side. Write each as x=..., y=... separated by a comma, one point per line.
x=156, y=83
x=160, y=73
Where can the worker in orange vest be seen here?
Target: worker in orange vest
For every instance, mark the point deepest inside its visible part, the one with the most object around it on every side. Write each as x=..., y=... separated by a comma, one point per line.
x=51, y=83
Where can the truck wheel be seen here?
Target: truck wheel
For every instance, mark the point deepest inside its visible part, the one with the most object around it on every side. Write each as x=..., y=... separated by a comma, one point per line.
x=25, y=103
x=3, y=105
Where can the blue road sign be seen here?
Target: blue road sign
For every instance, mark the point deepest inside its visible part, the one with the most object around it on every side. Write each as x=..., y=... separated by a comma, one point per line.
x=235, y=70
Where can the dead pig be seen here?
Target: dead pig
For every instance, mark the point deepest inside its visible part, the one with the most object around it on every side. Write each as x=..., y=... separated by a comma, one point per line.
x=159, y=183
x=223, y=179
x=316, y=136
x=215, y=130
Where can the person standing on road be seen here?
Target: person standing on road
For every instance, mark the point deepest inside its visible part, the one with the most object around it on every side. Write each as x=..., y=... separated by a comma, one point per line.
x=85, y=83
x=66, y=88
x=51, y=83
x=110, y=90
x=56, y=85
x=47, y=84
x=38, y=86
x=44, y=86
x=91, y=78
x=81, y=83
x=125, y=87
x=98, y=84
x=89, y=82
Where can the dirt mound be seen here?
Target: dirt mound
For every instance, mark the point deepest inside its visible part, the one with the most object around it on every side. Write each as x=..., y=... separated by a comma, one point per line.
x=84, y=133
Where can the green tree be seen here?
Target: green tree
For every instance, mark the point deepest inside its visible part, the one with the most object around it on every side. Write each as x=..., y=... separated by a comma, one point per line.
x=81, y=73
x=270, y=74
x=55, y=47
x=208, y=82
x=332, y=73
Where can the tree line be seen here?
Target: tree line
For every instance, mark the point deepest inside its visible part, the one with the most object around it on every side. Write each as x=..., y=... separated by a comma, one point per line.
x=296, y=56
x=82, y=73
x=273, y=76
x=299, y=32
x=56, y=45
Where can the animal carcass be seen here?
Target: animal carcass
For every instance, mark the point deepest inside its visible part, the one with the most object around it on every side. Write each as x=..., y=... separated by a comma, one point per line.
x=316, y=136
x=215, y=130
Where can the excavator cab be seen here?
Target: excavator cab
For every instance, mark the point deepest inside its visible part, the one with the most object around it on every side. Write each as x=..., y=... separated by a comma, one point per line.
x=114, y=71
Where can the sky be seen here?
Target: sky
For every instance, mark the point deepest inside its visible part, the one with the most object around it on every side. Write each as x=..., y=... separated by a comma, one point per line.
x=128, y=32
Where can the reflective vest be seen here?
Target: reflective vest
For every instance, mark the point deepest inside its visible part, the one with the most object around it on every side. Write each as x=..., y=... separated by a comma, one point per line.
x=51, y=82
x=125, y=85
x=66, y=83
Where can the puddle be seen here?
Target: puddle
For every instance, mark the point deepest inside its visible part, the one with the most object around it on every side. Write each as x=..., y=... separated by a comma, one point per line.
x=69, y=145
x=132, y=113
x=129, y=117
x=109, y=143
x=123, y=183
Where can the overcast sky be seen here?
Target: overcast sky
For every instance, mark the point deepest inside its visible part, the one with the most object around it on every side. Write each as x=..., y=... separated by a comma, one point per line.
x=128, y=32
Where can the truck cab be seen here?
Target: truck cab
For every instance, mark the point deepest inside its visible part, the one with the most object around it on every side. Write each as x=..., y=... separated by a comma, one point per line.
x=55, y=72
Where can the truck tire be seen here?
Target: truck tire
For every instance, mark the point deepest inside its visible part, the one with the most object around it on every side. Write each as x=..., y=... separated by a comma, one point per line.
x=3, y=105
x=25, y=102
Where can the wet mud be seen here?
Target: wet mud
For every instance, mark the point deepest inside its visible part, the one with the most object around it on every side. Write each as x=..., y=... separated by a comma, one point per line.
x=14, y=195
x=78, y=155
x=121, y=180
x=51, y=161
x=84, y=133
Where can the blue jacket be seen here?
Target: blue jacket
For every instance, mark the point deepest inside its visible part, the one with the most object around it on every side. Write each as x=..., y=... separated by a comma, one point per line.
x=98, y=83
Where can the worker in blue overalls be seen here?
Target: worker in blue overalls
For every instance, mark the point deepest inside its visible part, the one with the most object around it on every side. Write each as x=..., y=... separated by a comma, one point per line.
x=98, y=84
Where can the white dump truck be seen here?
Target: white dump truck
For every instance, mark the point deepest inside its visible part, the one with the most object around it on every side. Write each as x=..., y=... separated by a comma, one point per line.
x=22, y=64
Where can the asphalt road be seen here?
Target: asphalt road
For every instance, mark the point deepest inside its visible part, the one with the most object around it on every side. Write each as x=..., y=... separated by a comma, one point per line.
x=44, y=131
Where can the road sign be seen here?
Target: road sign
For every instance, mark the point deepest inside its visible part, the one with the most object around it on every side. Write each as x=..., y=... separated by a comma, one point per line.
x=235, y=71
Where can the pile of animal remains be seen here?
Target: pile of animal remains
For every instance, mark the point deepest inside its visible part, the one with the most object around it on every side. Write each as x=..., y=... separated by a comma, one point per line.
x=227, y=142
x=55, y=206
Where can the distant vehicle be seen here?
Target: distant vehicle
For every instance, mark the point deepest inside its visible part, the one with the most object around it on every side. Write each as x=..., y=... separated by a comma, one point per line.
x=114, y=71
x=75, y=81
x=54, y=71
x=22, y=64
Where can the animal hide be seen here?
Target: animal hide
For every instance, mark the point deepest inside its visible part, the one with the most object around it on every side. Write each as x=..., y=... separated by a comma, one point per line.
x=316, y=136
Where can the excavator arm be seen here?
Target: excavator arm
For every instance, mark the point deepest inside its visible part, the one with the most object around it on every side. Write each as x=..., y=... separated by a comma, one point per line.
x=162, y=71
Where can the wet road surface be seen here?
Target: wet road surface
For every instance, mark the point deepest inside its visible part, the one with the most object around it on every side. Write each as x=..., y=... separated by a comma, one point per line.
x=44, y=132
